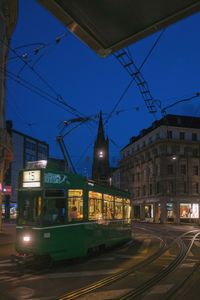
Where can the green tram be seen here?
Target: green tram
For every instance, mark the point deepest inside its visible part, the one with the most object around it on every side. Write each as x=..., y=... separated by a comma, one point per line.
x=63, y=215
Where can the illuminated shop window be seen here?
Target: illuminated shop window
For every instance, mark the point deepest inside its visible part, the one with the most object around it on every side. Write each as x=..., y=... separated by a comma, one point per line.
x=170, y=210
x=148, y=210
x=189, y=210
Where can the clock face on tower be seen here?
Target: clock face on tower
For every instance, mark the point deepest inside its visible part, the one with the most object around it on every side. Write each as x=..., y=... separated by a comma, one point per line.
x=100, y=166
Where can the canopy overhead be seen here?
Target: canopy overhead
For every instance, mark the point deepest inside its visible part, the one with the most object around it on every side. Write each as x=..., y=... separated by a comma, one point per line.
x=109, y=25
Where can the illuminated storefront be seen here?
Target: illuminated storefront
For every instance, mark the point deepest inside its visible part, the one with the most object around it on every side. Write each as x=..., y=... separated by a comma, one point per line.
x=170, y=211
x=189, y=210
x=148, y=210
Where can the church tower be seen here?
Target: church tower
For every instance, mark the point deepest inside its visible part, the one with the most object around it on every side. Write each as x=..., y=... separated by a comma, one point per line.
x=100, y=166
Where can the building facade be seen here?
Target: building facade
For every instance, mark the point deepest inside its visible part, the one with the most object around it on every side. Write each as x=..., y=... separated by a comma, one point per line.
x=101, y=167
x=8, y=18
x=25, y=148
x=161, y=169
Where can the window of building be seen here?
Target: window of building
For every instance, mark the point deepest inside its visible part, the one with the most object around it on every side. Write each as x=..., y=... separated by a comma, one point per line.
x=195, y=152
x=157, y=136
x=138, y=176
x=31, y=145
x=196, y=170
x=170, y=134
x=150, y=140
x=163, y=149
x=189, y=210
x=194, y=136
x=155, y=170
x=182, y=135
x=184, y=187
x=144, y=190
x=175, y=149
x=170, y=188
x=150, y=189
x=183, y=169
x=196, y=187
x=133, y=177
x=155, y=151
x=158, y=187
x=170, y=169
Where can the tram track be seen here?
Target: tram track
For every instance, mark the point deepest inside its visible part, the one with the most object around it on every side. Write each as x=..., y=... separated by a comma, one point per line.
x=113, y=278
x=171, y=267
x=183, y=252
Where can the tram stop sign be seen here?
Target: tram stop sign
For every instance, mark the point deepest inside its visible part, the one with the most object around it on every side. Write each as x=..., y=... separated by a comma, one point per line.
x=109, y=25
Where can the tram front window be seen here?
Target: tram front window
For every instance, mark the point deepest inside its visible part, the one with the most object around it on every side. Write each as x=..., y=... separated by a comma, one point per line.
x=30, y=209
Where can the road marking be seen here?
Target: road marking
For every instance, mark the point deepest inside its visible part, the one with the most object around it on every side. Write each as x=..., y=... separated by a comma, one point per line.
x=104, y=258
x=146, y=244
x=124, y=256
x=22, y=293
x=73, y=274
x=4, y=261
x=5, y=277
x=190, y=254
x=6, y=265
x=160, y=289
x=112, y=294
x=187, y=265
x=197, y=244
x=168, y=253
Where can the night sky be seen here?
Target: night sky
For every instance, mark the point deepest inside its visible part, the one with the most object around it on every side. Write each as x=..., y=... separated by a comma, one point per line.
x=71, y=71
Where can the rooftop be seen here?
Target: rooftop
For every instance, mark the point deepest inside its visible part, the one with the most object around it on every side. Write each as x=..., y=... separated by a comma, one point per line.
x=168, y=120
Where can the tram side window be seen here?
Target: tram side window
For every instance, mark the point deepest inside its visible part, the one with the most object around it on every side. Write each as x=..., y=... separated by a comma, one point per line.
x=118, y=208
x=95, y=205
x=75, y=205
x=127, y=208
x=108, y=205
x=54, y=212
x=54, y=209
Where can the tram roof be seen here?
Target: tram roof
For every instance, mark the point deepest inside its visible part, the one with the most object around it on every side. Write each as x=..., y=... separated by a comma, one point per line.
x=107, y=26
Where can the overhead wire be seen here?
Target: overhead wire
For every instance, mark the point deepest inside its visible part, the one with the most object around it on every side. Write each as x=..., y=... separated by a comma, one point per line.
x=59, y=97
x=37, y=91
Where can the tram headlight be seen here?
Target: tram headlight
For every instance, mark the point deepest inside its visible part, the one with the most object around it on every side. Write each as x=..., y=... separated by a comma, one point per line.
x=26, y=238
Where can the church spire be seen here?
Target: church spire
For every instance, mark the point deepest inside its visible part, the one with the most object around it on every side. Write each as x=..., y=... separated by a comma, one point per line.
x=100, y=134
x=100, y=166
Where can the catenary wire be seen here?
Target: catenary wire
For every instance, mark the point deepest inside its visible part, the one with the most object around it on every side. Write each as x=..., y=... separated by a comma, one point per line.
x=40, y=77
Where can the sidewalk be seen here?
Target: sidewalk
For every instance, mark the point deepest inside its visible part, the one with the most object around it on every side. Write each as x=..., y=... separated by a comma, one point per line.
x=7, y=235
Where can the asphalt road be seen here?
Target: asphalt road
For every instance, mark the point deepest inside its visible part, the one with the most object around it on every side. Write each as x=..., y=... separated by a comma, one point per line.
x=139, y=257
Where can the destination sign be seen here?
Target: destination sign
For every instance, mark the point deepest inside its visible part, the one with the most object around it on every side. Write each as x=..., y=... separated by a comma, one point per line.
x=31, y=178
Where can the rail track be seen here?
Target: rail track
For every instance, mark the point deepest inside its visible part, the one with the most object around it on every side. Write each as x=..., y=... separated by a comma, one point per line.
x=135, y=292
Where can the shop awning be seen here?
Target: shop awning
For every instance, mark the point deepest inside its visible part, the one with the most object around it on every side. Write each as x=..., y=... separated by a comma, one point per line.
x=109, y=25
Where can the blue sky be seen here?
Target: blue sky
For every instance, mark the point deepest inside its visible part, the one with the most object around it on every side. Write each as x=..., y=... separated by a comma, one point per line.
x=90, y=83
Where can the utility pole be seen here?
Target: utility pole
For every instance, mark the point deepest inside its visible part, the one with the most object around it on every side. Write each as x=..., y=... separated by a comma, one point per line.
x=8, y=17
